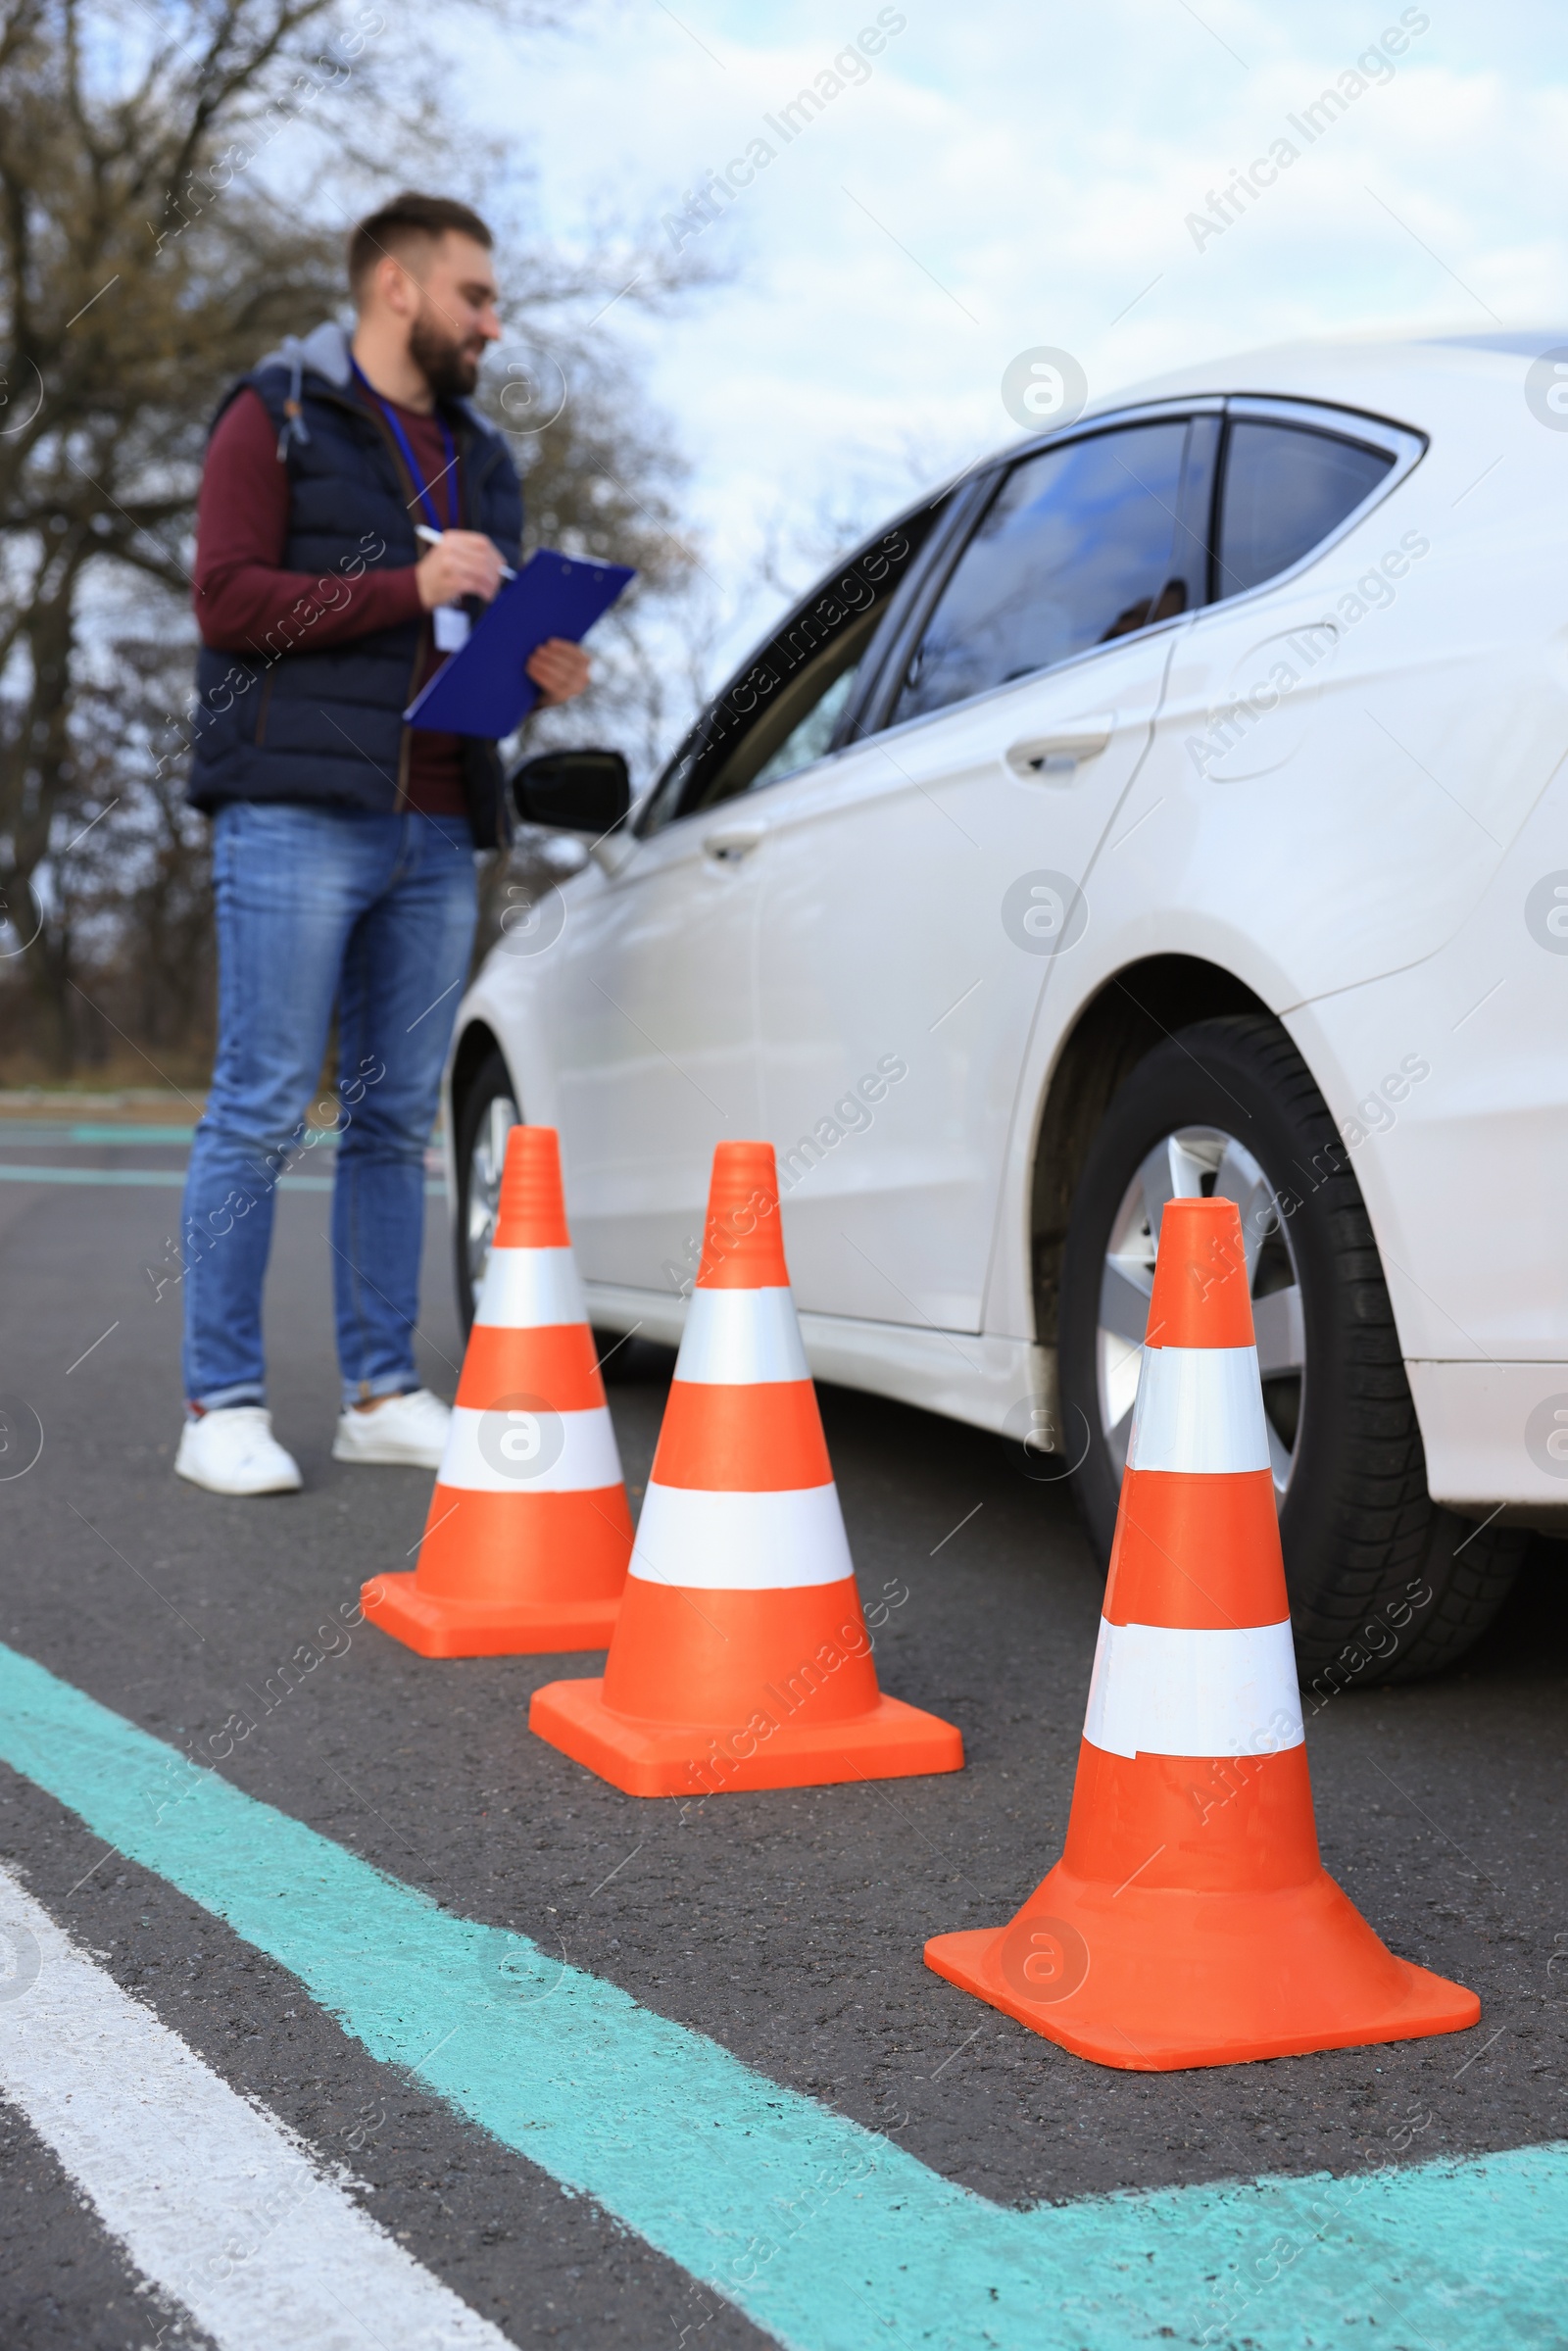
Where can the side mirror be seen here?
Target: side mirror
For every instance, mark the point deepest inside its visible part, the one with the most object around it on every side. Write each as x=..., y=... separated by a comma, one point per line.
x=578, y=791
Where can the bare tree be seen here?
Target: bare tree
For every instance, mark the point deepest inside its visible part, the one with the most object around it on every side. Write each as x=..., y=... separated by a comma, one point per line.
x=145, y=261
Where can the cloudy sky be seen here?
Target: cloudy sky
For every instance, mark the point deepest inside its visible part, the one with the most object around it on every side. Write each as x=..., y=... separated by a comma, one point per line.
x=1008, y=175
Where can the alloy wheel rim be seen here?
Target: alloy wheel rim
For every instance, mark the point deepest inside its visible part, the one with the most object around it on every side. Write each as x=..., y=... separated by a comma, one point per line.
x=1202, y=1163
x=483, y=1201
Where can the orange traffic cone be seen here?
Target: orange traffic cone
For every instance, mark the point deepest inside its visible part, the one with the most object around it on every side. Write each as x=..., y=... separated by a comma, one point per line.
x=528, y=1534
x=741, y=1659
x=1190, y=1920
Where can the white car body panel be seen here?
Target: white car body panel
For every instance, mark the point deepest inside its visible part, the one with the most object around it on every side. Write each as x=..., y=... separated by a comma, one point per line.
x=655, y=1029
x=881, y=938
x=1356, y=851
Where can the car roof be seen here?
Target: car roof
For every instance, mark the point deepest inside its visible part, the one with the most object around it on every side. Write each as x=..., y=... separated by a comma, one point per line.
x=1423, y=380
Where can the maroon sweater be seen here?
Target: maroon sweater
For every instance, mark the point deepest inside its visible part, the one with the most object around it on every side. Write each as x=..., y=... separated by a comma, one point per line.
x=242, y=590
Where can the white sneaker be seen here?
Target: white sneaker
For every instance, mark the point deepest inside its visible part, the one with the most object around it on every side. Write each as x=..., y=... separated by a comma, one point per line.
x=233, y=1451
x=404, y=1431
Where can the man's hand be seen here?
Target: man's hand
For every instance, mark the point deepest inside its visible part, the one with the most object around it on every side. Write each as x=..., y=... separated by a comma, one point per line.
x=465, y=562
x=560, y=669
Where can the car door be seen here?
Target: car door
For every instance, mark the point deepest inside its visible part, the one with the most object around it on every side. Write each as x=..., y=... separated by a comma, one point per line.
x=1303, y=702
x=917, y=886
x=653, y=1018
x=1225, y=791
x=654, y=1028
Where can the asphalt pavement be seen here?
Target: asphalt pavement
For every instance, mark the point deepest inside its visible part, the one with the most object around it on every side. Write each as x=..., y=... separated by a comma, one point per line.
x=785, y=1927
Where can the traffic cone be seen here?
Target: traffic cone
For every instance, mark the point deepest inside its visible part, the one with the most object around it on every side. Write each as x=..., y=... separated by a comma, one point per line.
x=528, y=1534
x=1190, y=1920
x=742, y=1659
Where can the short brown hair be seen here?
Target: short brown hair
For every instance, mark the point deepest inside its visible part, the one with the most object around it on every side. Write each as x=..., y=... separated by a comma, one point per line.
x=407, y=221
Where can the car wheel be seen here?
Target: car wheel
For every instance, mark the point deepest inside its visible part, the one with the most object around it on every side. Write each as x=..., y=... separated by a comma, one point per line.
x=485, y=1116
x=1385, y=1583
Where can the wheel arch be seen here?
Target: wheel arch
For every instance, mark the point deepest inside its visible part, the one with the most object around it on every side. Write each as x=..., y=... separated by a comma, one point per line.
x=474, y=1048
x=1128, y=1015
x=475, y=1045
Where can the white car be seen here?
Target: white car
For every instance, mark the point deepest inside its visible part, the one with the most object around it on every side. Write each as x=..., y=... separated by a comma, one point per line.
x=1173, y=804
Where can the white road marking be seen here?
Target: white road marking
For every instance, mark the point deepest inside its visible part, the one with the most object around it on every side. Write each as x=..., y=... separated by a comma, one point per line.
x=219, y=2203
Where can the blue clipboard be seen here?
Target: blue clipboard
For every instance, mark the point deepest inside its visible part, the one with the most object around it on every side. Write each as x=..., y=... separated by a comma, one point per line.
x=484, y=689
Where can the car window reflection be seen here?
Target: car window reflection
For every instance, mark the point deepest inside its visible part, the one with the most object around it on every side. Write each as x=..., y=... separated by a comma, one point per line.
x=1076, y=549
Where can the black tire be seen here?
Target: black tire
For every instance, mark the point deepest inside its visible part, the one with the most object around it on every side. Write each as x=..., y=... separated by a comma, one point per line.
x=1385, y=1583
x=481, y=1115
x=478, y=1116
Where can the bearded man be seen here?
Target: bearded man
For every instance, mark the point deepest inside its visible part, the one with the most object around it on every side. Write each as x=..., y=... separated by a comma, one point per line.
x=343, y=840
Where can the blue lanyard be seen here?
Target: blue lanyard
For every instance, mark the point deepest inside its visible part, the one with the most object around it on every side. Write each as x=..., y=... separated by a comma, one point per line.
x=413, y=462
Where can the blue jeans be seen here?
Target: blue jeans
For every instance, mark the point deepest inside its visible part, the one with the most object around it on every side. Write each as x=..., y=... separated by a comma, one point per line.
x=317, y=904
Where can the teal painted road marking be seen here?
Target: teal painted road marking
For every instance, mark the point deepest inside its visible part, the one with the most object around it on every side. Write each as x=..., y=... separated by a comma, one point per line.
x=167, y=1179
x=827, y=2235
x=65, y=1131
x=93, y=1134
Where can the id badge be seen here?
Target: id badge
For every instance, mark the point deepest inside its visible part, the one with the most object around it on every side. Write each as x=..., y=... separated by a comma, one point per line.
x=451, y=627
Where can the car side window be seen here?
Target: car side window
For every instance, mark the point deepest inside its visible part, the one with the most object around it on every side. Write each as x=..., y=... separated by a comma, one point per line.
x=798, y=724
x=1079, y=546
x=782, y=711
x=810, y=735
x=1284, y=489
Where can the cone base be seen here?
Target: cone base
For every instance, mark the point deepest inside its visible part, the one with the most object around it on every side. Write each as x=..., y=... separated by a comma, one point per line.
x=891, y=1742
x=1173, y=1980
x=439, y=1626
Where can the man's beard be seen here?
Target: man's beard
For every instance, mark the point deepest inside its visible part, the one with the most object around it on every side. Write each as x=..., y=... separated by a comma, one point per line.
x=450, y=368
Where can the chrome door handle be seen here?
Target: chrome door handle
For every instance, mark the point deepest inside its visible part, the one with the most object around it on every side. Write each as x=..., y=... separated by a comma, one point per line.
x=1053, y=758
x=731, y=842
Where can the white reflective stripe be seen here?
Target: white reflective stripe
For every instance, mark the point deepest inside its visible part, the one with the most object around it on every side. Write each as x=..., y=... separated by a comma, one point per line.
x=1159, y=1692
x=741, y=1541
x=215, y=2199
x=530, y=1289
x=1198, y=1409
x=733, y=1337
x=530, y=1453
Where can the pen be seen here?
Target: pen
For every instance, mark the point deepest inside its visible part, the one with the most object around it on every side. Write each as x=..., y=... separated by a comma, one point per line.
x=432, y=538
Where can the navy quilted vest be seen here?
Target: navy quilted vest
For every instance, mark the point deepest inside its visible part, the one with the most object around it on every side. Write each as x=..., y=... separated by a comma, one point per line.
x=289, y=724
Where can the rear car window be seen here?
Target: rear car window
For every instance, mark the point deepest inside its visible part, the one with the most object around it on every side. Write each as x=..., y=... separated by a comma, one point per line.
x=1284, y=488
x=1077, y=547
